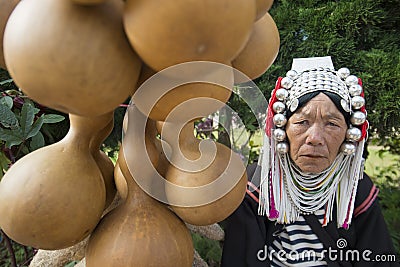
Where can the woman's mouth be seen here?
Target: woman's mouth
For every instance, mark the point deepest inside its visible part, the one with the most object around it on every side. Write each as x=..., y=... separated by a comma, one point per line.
x=314, y=156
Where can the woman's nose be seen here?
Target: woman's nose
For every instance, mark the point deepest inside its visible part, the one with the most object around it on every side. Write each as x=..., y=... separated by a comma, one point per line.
x=315, y=135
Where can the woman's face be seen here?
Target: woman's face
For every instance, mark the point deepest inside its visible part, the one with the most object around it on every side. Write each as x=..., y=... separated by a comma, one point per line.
x=315, y=133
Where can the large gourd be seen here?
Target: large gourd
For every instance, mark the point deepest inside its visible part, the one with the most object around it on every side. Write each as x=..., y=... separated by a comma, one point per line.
x=262, y=7
x=120, y=182
x=71, y=57
x=260, y=51
x=130, y=234
x=88, y=2
x=6, y=7
x=53, y=197
x=196, y=92
x=181, y=31
x=104, y=163
x=194, y=167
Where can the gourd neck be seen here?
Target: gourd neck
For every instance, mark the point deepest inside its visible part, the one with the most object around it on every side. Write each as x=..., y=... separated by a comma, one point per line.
x=83, y=130
x=99, y=138
x=188, y=143
x=179, y=137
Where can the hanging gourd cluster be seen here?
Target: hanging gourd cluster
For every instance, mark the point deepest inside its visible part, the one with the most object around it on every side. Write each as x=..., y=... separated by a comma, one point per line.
x=86, y=57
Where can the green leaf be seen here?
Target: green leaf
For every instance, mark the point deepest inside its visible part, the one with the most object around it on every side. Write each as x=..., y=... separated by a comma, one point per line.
x=48, y=133
x=26, y=119
x=12, y=137
x=6, y=81
x=52, y=118
x=35, y=127
x=13, y=92
x=71, y=264
x=37, y=141
x=7, y=101
x=7, y=118
x=4, y=163
x=24, y=149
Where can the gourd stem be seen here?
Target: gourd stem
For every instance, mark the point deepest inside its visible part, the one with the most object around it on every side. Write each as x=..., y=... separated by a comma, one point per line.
x=19, y=151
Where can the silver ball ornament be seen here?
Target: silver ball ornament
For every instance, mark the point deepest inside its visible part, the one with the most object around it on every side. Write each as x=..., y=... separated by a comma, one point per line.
x=358, y=118
x=351, y=80
x=282, y=148
x=353, y=134
x=348, y=148
x=279, y=120
x=286, y=82
x=278, y=107
x=292, y=74
x=282, y=94
x=355, y=89
x=343, y=73
x=357, y=102
x=279, y=135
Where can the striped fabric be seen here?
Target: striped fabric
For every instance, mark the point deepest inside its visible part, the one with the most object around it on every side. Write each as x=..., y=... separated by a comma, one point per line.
x=297, y=245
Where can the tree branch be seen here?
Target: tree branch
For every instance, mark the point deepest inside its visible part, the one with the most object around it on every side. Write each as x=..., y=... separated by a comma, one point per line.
x=10, y=249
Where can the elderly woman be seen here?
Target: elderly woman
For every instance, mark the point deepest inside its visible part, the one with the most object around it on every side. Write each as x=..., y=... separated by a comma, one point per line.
x=308, y=202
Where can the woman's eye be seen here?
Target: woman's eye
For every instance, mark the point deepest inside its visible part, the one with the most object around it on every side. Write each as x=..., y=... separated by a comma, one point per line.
x=302, y=122
x=333, y=124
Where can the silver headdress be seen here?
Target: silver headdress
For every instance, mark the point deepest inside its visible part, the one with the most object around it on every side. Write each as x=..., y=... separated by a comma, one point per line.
x=287, y=192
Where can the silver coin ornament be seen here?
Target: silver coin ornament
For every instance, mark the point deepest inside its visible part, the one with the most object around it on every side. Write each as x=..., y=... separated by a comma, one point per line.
x=353, y=134
x=292, y=74
x=279, y=135
x=282, y=148
x=278, y=107
x=357, y=102
x=351, y=80
x=343, y=73
x=355, y=89
x=286, y=82
x=348, y=148
x=358, y=118
x=279, y=120
x=345, y=105
x=282, y=94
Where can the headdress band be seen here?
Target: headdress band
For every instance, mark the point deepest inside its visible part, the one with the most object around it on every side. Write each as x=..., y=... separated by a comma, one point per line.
x=289, y=89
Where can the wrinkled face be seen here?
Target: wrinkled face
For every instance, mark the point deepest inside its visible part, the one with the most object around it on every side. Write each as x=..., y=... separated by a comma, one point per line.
x=315, y=133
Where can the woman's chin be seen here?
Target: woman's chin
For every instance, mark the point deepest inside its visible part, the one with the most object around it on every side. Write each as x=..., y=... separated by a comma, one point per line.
x=314, y=166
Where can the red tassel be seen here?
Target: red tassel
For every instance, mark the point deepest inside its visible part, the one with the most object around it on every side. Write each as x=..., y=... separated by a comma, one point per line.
x=364, y=127
x=270, y=111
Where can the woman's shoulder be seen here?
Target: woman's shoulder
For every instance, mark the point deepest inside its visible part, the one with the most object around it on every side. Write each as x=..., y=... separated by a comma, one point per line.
x=253, y=182
x=367, y=194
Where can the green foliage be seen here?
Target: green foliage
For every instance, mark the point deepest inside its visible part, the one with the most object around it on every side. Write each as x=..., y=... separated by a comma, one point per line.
x=209, y=250
x=71, y=264
x=112, y=142
x=362, y=35
x=23, y=255
x=21, y=128
x=388, y=181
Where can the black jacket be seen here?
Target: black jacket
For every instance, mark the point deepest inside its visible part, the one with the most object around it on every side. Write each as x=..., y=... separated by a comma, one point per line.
x=246, y=233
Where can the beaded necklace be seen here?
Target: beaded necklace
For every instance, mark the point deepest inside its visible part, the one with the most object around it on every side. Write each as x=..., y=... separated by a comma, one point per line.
x=292, y=193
